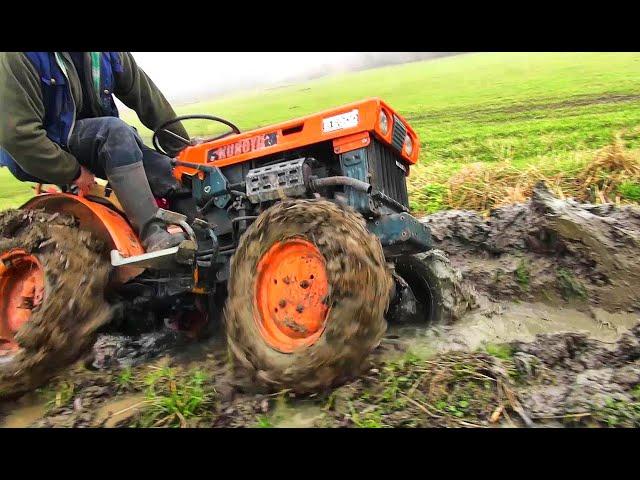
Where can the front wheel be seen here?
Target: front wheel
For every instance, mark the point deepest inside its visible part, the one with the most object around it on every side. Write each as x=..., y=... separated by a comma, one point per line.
x=308, y=290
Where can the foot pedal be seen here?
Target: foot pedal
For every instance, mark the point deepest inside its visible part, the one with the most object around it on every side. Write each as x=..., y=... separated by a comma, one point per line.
x=170, y=217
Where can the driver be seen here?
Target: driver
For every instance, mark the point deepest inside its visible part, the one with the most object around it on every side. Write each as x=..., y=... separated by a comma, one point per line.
x=60, y=126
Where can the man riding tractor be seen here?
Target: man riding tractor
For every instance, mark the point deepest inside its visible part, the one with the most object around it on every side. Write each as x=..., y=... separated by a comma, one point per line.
x=60, y=126
x=296, y=236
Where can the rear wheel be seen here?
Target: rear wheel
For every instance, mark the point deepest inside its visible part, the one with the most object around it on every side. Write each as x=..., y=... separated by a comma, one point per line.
x=429, y=289
x=52, y=280
x=308, y=289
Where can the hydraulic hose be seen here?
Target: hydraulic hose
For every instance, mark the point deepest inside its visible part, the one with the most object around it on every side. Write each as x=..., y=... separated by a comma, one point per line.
x=318, y=183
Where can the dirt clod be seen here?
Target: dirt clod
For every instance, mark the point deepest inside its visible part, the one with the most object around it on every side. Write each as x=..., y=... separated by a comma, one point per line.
x=583, y=377
x=112, y=351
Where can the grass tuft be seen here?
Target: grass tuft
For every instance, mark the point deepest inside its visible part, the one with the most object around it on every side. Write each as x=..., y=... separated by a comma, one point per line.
x=501, y=351
x=125, y=379
x=618, y=413
x=522, y=274
x=58, y=395
x=172, y=399
x=452, y=389
x=629, y=191
x=569, y=285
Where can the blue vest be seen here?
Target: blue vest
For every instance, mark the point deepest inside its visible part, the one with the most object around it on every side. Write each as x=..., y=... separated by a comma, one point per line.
x=59, y=112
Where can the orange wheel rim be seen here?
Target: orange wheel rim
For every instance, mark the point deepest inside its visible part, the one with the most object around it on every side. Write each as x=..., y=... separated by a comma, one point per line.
x=21, y=290
x=291, y=294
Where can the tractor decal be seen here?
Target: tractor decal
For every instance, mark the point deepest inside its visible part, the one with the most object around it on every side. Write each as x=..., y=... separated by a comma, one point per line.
x=243, y=146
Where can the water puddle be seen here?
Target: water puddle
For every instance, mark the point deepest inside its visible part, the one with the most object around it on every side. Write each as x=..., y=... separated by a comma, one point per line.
x=491, y=324
x=113, y=412
x=510, y=322
x=23, y=412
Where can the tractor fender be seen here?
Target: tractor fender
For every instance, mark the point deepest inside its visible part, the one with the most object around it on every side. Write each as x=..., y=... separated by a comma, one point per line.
x=101, y=221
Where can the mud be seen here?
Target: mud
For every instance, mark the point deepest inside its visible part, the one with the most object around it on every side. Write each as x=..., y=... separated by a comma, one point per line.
x=590, y=377
x=563, y=379
x=574, y=376
x=547, y=250
x=507, y=322
x=550, y=337
x=22, y=413
x=118, y=351
x=117, y=412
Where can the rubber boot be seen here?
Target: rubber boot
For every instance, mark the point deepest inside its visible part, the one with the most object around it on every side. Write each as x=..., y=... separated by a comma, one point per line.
x=131, y=187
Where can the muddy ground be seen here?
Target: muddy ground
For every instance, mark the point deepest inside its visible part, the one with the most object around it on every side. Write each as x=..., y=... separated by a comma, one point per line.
x=553, y=339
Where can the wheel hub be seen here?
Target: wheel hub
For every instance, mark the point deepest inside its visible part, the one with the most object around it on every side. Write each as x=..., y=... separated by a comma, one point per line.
x=291, y=294
x=21, y=291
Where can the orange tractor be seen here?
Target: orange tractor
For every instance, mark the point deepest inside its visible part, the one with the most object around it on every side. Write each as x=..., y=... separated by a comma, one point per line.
x=301, y=230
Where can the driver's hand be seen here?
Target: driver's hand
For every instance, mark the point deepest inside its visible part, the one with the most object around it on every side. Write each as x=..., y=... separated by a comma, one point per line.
x=85, y=181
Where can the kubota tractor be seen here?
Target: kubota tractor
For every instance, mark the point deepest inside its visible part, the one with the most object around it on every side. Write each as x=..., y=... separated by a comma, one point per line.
x=300, y=229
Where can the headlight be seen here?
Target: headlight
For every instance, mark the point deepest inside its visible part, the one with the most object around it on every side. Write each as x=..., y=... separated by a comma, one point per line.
x=384, y=122
x=408, y=145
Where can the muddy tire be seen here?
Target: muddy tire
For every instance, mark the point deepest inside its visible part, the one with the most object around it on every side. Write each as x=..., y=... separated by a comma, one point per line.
x=359, y=285
x=437, y=285
x=62, y=326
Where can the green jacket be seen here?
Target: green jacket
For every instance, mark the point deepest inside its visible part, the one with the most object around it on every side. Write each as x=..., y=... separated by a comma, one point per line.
x=22, y=133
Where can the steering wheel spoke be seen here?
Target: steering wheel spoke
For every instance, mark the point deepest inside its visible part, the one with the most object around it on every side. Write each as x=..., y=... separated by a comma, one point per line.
x=177, y=137
x=187, y=142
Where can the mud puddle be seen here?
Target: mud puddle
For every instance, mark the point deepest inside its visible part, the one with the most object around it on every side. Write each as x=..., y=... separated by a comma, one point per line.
x=108, y=398
x=105, y=398
x=303, y=414
x=114, y=412
x=555, y=340
x=508, y=322
x=23, y=412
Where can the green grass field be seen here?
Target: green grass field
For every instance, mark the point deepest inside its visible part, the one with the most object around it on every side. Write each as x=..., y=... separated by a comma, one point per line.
x=12, y=192
x=489, y=123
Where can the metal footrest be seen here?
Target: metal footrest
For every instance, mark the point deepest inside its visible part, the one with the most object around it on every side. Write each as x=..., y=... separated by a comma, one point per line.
x=182, y=254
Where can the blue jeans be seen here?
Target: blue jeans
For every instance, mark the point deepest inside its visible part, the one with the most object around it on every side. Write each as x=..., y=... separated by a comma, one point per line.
x=104, y=143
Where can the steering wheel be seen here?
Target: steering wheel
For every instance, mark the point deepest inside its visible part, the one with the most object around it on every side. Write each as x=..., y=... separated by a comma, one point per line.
x=188, y=142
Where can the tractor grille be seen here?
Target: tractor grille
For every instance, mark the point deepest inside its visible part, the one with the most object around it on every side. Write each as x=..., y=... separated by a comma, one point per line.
x=386, y=175
x=398, y=134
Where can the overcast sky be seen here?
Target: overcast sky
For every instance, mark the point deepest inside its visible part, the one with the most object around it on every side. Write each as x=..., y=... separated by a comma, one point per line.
x=188, y=75
x=192, y=76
